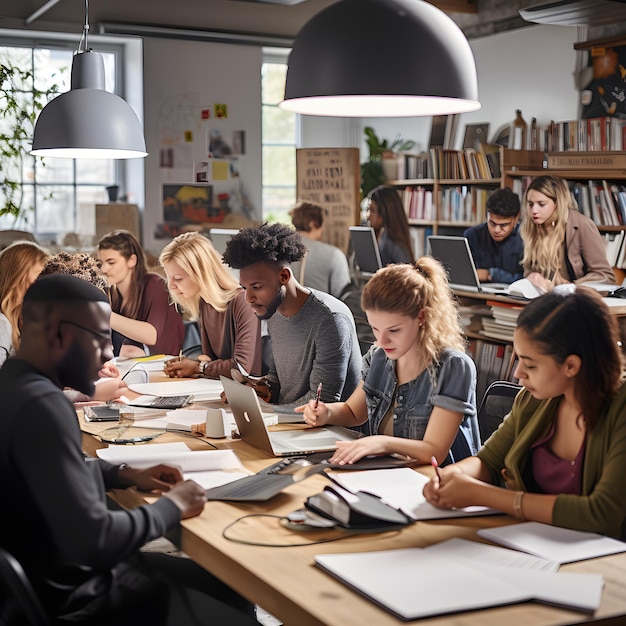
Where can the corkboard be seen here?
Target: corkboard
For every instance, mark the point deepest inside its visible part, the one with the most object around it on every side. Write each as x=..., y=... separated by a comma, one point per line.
x=331, y=177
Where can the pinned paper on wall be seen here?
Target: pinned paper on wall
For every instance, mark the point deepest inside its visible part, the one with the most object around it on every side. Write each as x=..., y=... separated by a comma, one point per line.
x=211, y=170
x=205, y=114
x=188, y=136
x=221, y=111
x=220, y=169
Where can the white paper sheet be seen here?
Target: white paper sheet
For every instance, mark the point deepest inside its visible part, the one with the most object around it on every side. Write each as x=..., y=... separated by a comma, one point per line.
x=199, y=388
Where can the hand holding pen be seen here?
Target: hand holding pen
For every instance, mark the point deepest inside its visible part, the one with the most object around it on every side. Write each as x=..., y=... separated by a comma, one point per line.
x=433, y=462
x=318, y=395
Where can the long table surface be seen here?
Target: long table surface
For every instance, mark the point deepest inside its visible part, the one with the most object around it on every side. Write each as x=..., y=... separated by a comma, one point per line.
x=282, y=578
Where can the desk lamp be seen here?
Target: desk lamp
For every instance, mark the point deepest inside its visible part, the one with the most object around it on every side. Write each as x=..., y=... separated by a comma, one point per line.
x=381, y=58
x=88, y=121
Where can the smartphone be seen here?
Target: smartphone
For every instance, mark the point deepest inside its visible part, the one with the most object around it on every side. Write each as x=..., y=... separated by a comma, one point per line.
x=104, y=413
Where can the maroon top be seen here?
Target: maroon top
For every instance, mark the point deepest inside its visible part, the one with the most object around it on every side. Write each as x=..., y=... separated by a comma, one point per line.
x=233, y=334
x=553, y=474
x=157, y=310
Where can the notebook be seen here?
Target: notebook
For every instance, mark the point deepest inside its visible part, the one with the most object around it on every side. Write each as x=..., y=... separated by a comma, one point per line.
x=365, y=248
x=252, y=429
x=455, y=255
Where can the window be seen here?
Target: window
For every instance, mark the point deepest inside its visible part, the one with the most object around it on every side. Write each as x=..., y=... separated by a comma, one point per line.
x=279, y=139
x=56, y=196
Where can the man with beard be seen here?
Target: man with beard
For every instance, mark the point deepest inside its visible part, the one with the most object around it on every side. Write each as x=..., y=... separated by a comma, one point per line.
x=313, y=334
x=82, y=558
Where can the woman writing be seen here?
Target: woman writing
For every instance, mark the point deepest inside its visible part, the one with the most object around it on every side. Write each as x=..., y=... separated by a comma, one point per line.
x=559, y=457
x=386, y=215
x=417, y=396
x=561, y=245
x=20, y=264
x=202, y=285
x=142, y=314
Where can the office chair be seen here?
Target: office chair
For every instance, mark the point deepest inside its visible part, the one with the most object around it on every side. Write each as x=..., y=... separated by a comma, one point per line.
x=18, y=597
x=495, y=405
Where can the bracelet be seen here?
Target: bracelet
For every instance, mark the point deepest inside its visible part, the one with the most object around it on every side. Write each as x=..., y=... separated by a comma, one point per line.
x=517, y=505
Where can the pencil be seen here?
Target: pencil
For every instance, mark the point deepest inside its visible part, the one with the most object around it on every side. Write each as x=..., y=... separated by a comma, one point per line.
x=180, y=355
x=318, y=395
x=433, y=462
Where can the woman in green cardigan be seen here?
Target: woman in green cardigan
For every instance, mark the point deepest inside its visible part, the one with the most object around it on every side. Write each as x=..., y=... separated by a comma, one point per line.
x=559, y=457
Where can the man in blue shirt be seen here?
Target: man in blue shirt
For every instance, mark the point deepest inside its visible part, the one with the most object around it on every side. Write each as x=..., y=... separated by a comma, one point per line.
x=496, y=245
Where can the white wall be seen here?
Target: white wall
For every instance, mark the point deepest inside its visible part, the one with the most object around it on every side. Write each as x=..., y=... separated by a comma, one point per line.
x=529, y=69
x=180, y=79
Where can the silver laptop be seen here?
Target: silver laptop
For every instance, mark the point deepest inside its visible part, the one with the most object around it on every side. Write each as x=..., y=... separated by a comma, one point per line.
x=252, y=429
x=365, y=248
x=455, y=255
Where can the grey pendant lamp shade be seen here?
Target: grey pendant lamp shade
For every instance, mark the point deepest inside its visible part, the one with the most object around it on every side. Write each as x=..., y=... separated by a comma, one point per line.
x=381, y=58
x=88, y=121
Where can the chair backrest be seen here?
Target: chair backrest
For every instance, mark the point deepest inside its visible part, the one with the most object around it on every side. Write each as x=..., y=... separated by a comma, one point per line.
x=495, y=405
x=19, y=593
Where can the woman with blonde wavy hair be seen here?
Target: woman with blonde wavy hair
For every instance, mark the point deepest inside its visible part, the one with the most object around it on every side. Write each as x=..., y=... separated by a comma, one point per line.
x=417, y=396
x=20, y=265
x=561, y=245
x=203, y=286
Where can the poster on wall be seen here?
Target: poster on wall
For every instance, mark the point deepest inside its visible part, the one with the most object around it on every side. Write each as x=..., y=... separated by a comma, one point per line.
x=331, y=177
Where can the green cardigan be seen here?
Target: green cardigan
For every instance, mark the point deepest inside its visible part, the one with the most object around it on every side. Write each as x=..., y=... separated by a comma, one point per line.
x=601, y=507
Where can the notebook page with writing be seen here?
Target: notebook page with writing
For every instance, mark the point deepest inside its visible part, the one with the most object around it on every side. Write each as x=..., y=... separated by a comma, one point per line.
x=561, y=545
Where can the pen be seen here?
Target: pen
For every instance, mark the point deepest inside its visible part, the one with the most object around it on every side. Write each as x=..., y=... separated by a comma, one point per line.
x=180, y=355
x=433, y=462
x=318, y=395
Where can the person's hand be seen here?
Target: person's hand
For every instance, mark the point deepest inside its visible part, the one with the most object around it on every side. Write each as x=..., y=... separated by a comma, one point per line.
x=177, y=368
x=189, y=497
x=543, y=284
x=156, y=478
x=483, y=275
x=261, y=385
x=109, y=370
x=351, y=451
x=455, y=490
x=314, y=415
x=107, y=389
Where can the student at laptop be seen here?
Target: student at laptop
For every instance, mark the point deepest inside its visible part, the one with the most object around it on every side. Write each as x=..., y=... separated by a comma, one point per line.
x=561, y=245
x=561, y=452
x=202, y=285
x=386, y=215
x=324, y=267
x=418, y=393
x=496, y=245
x=312, y=333
x=83, y=558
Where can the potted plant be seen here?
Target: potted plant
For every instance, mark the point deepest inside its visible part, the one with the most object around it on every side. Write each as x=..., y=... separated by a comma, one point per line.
x=380, y=150
x=19, y=111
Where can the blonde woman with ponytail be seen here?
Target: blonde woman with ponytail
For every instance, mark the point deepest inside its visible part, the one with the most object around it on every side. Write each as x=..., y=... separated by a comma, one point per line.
x=561, y=245
x=417, y=396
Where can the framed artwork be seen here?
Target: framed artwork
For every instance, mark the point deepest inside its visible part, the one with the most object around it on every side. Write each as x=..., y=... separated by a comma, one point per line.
x=502, y=135
x=475, y=134
x=443, y=131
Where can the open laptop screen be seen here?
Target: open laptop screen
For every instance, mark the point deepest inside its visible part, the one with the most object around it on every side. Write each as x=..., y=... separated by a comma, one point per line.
x=455, y=255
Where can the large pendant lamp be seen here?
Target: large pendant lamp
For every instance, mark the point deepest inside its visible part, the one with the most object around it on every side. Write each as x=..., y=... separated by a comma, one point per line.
x=88, y=122
x=381, y=58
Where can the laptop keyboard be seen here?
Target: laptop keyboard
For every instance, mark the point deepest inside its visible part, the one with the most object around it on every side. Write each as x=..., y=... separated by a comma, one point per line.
x=251, y=488
x=169, y=402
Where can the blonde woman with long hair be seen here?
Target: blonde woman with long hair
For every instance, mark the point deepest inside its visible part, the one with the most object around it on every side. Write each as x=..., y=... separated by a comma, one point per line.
x=20, y=265
x=417, y=396
x=203, y=286
x=561, y=245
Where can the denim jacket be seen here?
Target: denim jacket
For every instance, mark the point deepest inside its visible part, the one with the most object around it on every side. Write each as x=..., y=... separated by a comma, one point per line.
x=454, y=389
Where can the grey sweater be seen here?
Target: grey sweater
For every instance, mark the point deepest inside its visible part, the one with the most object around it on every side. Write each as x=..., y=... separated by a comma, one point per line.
x=318, y=344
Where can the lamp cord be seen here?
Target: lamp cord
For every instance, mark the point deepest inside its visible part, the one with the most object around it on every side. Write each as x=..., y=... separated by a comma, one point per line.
x=83, y=44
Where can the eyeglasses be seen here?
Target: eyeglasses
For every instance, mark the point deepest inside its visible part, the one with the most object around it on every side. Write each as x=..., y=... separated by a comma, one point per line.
x=104, y=338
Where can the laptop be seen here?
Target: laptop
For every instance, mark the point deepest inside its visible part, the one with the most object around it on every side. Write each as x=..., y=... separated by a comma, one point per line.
x=365, y=248
x=252, y=429
x=220, y=237
x=455, y=255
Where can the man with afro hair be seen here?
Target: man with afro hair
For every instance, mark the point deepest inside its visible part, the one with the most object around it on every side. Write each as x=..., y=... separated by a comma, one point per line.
x=313, y=334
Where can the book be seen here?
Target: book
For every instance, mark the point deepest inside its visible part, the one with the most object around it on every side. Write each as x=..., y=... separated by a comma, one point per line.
x=209, y=468
x=449, y=581
x=562, y=545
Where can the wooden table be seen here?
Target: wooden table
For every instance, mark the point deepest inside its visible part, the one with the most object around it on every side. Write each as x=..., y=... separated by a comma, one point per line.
x=285, y=581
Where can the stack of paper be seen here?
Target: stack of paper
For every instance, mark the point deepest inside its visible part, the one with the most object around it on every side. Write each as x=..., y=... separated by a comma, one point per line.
x=202, y=389
x=209, y=468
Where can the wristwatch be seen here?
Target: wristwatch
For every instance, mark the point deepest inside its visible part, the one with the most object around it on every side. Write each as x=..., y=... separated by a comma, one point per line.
x=202, y=366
